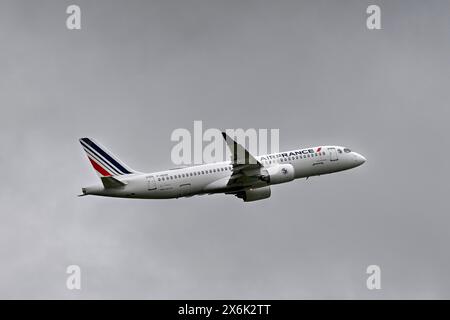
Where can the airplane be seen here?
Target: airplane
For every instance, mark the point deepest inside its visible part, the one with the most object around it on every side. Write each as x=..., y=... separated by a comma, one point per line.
x=244, y=176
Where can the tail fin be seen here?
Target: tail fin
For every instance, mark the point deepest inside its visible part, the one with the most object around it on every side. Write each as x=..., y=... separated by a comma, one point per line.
x=103, y=161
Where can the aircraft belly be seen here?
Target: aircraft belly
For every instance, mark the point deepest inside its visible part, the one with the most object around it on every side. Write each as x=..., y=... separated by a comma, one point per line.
x=217, y=185
x=311, y=168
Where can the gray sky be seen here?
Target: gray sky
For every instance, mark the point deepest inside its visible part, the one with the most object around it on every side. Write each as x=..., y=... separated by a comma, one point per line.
x=140, y=69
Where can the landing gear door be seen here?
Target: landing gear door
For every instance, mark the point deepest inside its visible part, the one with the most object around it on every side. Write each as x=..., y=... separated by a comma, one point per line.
x=184, y=190
x=333, y=154
x=151, y=184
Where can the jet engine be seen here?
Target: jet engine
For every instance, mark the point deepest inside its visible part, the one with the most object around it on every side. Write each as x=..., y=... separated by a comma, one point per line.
x=254, y=194
x=278, y=174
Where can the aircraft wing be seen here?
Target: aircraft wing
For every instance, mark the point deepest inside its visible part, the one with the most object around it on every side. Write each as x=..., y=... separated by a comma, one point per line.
x=246, y=168
x=239, y=155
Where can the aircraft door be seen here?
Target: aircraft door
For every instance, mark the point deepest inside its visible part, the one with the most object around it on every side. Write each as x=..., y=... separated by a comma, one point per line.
x=151, y=184
x=333, y=154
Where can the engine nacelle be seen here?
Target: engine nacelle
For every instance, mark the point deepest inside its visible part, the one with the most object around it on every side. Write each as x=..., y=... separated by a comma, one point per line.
x=255, y=194
x=279, y=174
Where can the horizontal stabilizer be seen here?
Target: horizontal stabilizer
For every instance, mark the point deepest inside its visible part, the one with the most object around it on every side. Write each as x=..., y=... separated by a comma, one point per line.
x=111, y=182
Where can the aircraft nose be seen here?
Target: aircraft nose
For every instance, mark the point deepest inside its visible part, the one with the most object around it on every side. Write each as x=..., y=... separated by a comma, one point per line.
x=359, y=159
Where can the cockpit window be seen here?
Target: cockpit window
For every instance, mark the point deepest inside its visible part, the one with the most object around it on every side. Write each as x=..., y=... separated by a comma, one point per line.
x=347, y=150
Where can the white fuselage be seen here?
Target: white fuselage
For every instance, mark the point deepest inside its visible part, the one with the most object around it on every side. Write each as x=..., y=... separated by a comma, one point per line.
x=215, y=177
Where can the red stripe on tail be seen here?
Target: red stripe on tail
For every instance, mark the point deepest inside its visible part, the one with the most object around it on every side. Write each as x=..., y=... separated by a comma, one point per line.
x=99, y=168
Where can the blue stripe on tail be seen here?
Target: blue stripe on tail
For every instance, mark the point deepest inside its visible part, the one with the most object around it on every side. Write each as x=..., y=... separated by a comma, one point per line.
x=99, y=159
